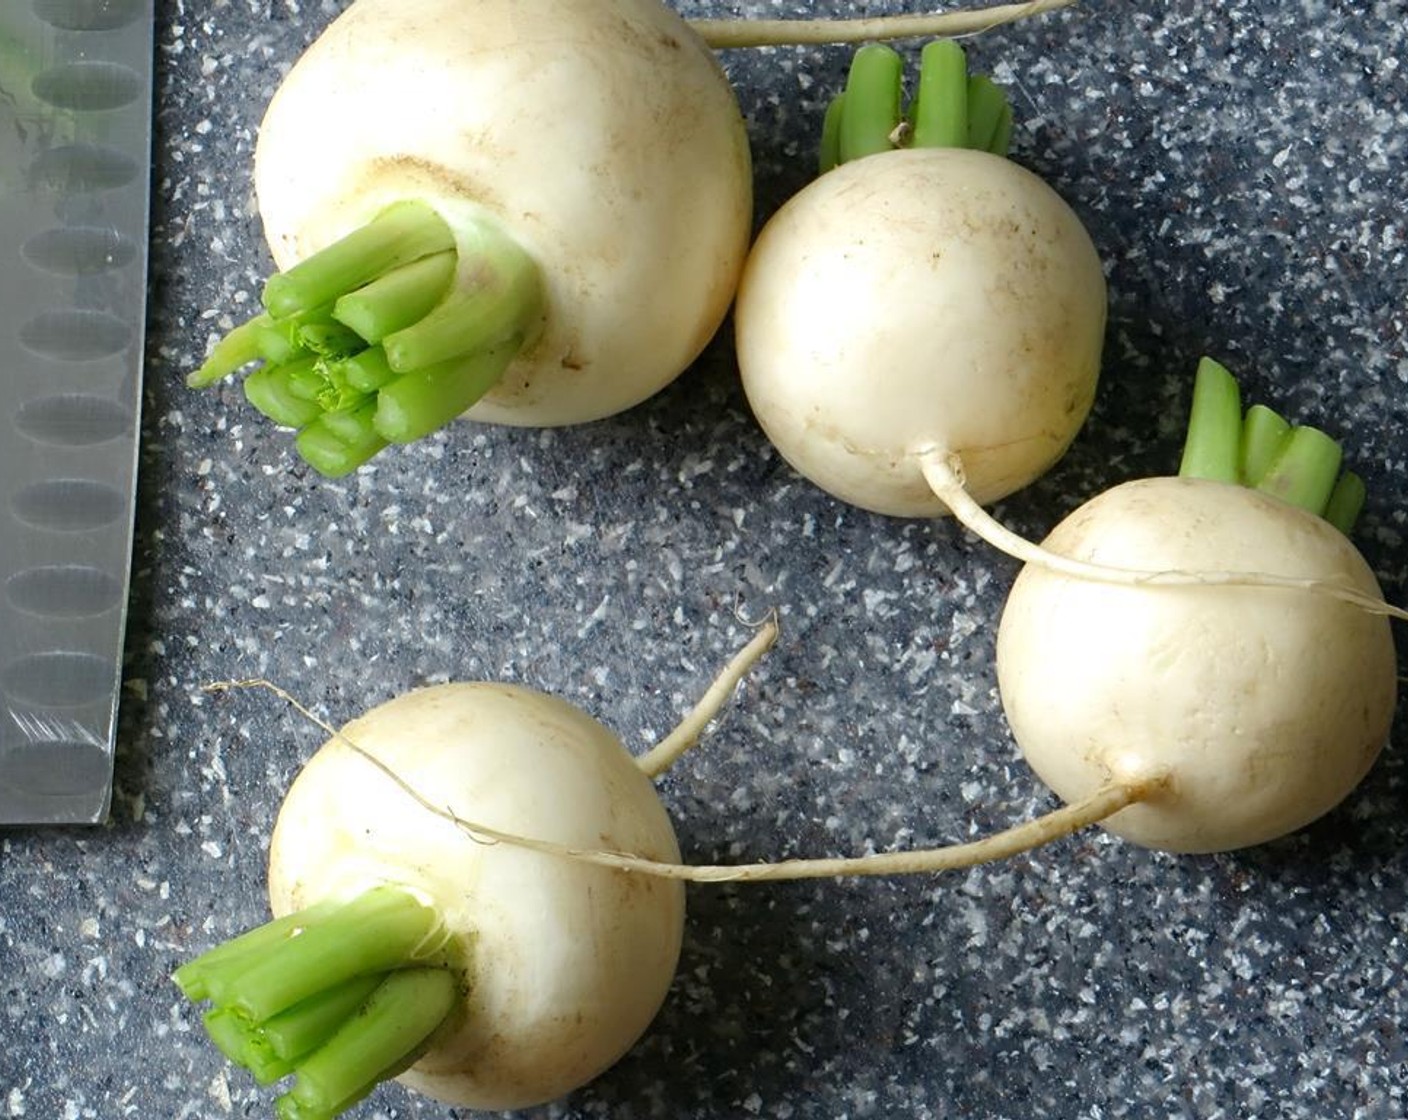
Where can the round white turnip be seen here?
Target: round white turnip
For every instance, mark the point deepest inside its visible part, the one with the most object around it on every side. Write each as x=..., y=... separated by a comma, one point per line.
x=602, y=137
x=920, y=300
x=565, y=966
x=1260, y=708
x=407, y=940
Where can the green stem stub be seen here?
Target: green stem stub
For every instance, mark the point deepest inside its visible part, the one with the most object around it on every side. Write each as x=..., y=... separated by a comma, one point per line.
x=402, y=296
x=337, y=997
x=950, y=108
x=1260, y=449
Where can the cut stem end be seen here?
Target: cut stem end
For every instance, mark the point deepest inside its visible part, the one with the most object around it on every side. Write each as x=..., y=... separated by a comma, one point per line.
x=339, y=996
x=402, y=299
x=950, y=108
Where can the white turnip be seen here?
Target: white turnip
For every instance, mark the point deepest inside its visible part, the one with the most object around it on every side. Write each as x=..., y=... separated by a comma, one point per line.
x=483, y=974
x=1263, y=707
x=934, y=298
x=1214, y=636
x=549, y=199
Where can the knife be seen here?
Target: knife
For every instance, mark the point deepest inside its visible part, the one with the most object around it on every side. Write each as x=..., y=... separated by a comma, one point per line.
x=75, y=154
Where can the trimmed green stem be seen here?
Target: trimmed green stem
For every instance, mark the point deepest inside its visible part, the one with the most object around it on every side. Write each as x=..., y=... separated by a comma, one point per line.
x=1304, y=470
x=402, y=233
x=950, y=108
x=1298, y=464
x=231, y=353
x=244, y=1043
x=1211, y=449
x=940, y=112
x=1262, y=434
x=830, y=154
x=330, y=339
x=398, y=299
x=420, y=402
x=337, y=443
x=1346, y=502
x=872, y=105
x=400, y=1015
x=503, y=298
x=307, y=1025
x=989, y=116
x=191, y=977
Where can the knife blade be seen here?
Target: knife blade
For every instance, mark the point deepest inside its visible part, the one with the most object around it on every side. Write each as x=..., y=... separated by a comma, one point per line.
x=75, y=153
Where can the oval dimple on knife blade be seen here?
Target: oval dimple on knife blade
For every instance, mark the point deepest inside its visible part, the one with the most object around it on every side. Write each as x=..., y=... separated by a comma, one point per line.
x=64, y=591
x=69, y=505
x=82, y=169
x=73, y=419
x=88, y=86
x=75, y=335
x=59, y=768
x=88, y=15
x=79, y=250
x=57, y=679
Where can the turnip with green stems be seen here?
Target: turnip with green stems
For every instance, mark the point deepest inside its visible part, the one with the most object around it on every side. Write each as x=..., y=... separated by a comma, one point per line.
x=534, y=209
x=529, y=212
x=482, y=974
x=1218, y=629
x=924, y=295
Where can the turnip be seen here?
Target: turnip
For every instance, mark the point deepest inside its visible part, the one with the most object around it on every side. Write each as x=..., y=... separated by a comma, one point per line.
x=530, y=212
x=536, y=209
x=483, y=974
x=926, y=296
x=1217, y=629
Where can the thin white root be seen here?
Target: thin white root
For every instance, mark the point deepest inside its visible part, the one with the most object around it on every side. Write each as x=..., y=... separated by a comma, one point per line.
x=673, y=747
x=1056, y=825
x=725, y=33
x=1025, y=837
x=943, y=470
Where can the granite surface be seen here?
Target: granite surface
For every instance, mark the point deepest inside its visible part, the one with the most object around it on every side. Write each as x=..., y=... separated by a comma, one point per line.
x=1241, y=167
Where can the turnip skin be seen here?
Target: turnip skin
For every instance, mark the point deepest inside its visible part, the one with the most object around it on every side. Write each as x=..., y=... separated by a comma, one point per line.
x=621, y=163
x=1263, y=707
x=566, y=964
x=916, y=300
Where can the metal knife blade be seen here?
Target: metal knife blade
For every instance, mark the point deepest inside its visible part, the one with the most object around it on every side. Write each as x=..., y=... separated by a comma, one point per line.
x=75, y=153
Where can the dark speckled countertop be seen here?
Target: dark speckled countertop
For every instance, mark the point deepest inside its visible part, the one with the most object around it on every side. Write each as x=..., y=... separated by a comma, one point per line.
x=1242, y=168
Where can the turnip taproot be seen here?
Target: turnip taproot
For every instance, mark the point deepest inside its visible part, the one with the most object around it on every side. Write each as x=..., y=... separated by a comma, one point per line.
x=928, y=298
x=531, y=212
